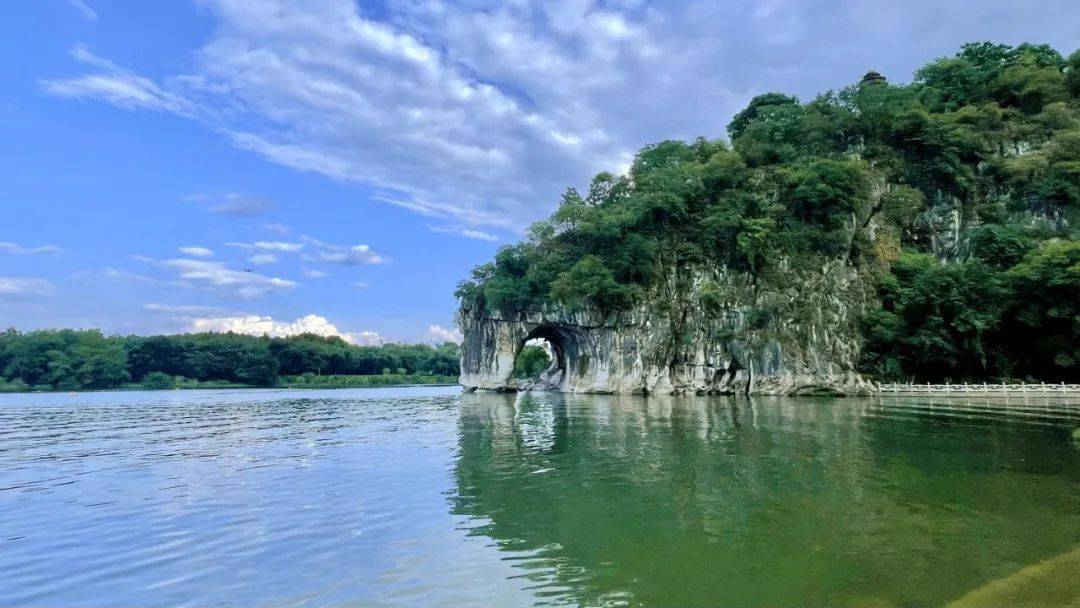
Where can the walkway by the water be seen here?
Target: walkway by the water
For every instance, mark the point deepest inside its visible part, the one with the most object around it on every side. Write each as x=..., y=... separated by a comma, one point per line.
x=1068, y=391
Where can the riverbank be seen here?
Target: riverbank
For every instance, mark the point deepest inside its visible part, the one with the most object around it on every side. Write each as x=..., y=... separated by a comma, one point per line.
x=306, y=382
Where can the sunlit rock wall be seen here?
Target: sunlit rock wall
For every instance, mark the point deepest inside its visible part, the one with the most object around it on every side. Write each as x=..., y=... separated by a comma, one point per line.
x=699, y=331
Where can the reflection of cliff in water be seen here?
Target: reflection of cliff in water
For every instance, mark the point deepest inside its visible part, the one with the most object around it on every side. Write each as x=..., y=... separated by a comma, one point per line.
x=706, y=501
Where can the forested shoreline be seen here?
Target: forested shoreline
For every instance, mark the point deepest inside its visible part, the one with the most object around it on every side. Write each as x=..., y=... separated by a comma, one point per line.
x=66, y=359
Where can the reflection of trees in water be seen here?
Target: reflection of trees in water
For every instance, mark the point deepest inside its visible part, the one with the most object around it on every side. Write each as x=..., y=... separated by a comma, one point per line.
x=694, y=500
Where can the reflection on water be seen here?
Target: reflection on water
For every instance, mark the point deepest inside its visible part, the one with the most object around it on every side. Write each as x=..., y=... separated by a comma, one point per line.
x=406, y=497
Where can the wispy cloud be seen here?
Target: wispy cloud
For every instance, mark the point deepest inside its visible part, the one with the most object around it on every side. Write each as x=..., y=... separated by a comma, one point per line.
x=16, y=249
x=279, y=246
x=84, y=9
x=206, y=274
x=355, y=255
x=184, y=309
x=480, y=116
x=470, y=233
x=197, y=252
x=264, y=258
x=20, y=287
x=312, y=273
x=118, y=86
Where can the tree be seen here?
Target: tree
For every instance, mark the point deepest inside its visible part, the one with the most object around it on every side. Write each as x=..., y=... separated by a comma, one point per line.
x=158, y=381
x=754, y=109
x=532, y=361
x=1046, y=310
x=589, y=281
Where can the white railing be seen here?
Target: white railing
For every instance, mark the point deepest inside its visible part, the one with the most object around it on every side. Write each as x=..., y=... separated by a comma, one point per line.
x=1023, y=388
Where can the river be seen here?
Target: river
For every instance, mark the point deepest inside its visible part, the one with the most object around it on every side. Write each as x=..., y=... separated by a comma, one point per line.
x=430, y=497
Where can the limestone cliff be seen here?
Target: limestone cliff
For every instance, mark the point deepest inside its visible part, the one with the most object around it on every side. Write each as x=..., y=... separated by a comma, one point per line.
x=697, y=331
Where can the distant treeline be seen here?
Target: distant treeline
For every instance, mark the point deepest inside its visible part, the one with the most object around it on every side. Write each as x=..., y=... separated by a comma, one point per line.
x=68, y=359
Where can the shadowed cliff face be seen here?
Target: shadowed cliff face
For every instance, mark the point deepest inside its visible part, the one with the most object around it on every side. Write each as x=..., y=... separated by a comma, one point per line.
x=795, y=338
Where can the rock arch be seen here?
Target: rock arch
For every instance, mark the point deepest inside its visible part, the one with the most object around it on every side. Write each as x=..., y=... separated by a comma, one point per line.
x=670, y=343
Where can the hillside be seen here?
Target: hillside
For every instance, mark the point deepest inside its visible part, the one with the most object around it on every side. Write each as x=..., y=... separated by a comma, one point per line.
x=922, y=231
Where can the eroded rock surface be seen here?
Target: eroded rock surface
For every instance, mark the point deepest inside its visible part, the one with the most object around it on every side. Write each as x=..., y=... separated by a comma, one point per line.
x=698, y=332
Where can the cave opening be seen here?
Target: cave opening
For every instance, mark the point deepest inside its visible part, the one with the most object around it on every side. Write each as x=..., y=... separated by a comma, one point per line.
x=541, y=360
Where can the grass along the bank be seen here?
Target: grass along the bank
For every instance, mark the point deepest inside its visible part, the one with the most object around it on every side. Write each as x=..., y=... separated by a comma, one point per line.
x=312, y=381
x=357, y=381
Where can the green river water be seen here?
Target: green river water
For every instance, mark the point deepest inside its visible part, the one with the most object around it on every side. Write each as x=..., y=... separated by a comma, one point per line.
x=430, y=497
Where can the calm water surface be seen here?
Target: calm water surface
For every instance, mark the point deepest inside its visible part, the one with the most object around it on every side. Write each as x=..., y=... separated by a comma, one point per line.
x=427, y=497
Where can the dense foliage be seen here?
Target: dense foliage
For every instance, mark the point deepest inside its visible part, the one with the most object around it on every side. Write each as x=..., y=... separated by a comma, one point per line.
x=959, y=192
x=85, y=359
x=532, y=361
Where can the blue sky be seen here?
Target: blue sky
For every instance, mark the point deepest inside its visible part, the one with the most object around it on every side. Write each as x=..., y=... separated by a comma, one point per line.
x=338, y=166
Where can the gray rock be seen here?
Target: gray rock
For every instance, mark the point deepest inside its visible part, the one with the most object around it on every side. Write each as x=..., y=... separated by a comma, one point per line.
x=705, y=331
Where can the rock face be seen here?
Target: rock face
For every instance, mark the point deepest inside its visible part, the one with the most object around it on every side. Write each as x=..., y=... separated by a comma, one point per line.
x=698, y=331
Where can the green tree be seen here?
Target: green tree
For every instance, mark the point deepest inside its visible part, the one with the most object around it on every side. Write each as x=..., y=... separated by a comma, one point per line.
x=1046, y=309
x=531, y=362
x=589, y=281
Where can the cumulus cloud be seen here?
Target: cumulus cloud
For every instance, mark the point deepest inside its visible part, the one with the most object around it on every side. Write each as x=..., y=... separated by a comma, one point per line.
x=19, y=287
x=257, y=325
x=197, y=252
x=16, y=249
x=439, y=334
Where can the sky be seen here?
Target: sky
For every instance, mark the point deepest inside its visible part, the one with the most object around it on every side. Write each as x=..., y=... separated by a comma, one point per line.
x=334, y=166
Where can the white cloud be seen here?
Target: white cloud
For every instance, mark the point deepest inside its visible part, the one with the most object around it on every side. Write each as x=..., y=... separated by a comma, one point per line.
x=18, y=287
x=361, y=285
x=277, y=228
x=118, y=86
x=312, y=273
x=264, y=325
x=84, y=9
x=478, y=112
x=184, y=309
x=278, y=246
x=479, y=235
x=215, y=275
x=242, y=205
x=198, y=252
x=264, y=258
x=16, y=249
x=471, y=233
x=439, y=334
x=268, y=246
x=355, y=255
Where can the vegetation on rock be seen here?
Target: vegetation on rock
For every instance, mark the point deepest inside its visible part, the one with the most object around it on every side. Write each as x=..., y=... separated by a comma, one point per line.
x=958, y=194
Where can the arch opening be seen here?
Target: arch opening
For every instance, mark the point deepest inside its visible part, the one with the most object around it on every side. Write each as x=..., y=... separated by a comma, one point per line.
x=541, y=360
